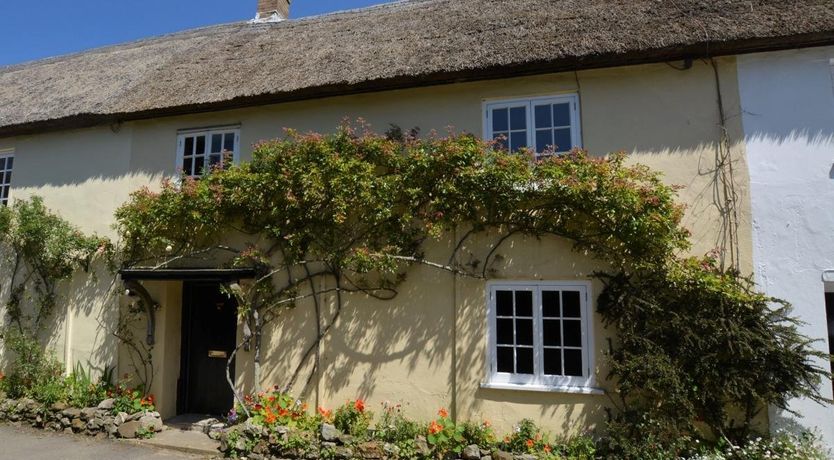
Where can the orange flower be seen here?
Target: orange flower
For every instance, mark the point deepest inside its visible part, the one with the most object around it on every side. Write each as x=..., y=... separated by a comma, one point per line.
x=530, y=443
x=324, y=412
x=487, y=424
x=270, y=418
x=435, y=427
x=547, y=448
x=271, y=399
x=283, y=412
x=443, y=413
x=359, y=405
x=304, y=407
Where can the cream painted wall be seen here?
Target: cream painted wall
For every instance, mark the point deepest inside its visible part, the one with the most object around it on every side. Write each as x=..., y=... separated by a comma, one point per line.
x=427, y=347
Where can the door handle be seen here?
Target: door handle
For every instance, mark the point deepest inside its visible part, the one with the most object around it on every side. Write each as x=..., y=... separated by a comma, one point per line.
x=217, y=354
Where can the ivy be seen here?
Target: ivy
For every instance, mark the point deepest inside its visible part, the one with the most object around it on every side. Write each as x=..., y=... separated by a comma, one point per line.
x=693, y=342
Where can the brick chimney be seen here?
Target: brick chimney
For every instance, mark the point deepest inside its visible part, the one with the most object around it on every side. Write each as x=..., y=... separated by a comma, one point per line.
x=273, y=10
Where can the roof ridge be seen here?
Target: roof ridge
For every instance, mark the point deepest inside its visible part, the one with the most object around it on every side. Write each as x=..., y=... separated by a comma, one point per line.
x=195, y=30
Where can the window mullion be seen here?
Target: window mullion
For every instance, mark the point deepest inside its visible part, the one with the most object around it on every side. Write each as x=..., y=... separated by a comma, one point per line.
x=538, y=341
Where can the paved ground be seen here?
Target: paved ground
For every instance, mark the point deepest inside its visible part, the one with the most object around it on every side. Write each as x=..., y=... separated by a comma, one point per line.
x=27, y=443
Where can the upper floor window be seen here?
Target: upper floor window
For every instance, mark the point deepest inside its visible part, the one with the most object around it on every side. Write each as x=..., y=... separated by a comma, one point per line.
x=6, y=163
x=543, y=124
x=540, y=334
x=200, y=151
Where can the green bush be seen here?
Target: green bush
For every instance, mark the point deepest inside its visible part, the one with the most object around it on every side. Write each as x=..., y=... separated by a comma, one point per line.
x=352, y=418
x=782, y=446
x=83, y=391
x=34, y=373
x=701, y=353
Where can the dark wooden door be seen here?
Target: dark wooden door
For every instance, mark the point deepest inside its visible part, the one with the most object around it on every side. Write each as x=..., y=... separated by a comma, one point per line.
x=209, y=329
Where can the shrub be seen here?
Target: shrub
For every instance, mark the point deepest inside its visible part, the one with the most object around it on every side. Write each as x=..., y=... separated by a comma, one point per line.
x=130, y=401
x=444, y=435
x=395, y=428
x=699, y=348
x=34, y=373
x=352, y=418
x=83, y=391
x=271, y=409
x=782, y=446
x=481, y=433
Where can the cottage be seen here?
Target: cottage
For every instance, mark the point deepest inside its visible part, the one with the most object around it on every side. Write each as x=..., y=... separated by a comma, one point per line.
x=686, y=87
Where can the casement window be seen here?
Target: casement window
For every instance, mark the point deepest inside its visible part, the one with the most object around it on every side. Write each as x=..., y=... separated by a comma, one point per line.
x=545, y=125
x=540, y=335
x=200, y=151
x=6, y=163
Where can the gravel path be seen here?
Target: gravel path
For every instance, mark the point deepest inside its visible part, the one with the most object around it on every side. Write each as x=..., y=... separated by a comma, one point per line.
x=28, y=443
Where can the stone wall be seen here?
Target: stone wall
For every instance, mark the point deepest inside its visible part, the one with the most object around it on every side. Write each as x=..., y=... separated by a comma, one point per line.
x=97, y=421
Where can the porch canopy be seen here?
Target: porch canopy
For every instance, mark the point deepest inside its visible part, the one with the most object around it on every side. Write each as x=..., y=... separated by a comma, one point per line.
x=186, y=274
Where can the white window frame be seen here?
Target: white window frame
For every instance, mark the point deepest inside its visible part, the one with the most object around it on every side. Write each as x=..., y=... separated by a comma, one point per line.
x=208, y=132
x=539, y=381
x=4, y=154
x=530, y=103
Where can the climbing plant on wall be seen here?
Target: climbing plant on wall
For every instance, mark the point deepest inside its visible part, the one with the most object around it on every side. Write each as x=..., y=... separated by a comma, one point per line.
x=350, y=212
x=39, y=250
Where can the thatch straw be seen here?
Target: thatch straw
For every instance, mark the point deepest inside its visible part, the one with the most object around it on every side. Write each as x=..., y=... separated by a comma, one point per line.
x=408, y=43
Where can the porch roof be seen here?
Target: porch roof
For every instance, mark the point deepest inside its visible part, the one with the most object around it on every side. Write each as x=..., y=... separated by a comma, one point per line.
x=186, y=274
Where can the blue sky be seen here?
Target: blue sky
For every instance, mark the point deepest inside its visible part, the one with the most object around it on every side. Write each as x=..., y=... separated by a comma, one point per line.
x=36, y=29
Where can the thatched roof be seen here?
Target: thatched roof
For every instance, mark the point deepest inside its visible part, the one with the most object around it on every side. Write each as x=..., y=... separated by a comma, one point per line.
x=402, y=44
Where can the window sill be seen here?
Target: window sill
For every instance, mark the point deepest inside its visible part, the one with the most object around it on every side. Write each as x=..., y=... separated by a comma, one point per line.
x=544, y=389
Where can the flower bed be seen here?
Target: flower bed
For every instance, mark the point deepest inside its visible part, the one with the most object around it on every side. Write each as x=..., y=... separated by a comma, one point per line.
x=278, y=426
x=272, y=425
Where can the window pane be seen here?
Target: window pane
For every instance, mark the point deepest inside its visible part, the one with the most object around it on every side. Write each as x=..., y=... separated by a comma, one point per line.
x=524, y=360
x=189, y=146
x=5, y=192
x=562, y=140
x=543, y=118
x=504, y=303
x=524, y=303
x=572, y=331
x=524, y=332
x=214, y=161
x=553, y=361
x=573, y=363
x=544, y=140
x=504, y=333
x=518, y=140
x=186, y=166
x=504, y=358
x=229, y=142
x=201, y=145
x=502, y=141
x=7, y=179
x=561, y=114
x=2, y=164
x=198, y=165
x=571, y=300
x=518, y=118
x=9, y=162
x=216, y=143
x=550, y=304
x=500, y=120
x=552, y=333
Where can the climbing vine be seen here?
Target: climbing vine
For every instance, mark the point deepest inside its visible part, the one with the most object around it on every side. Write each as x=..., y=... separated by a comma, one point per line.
x=350, y=212
x=38, y=251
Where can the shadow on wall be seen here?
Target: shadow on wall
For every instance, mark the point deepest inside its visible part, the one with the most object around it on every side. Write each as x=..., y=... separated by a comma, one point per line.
x=79, y=330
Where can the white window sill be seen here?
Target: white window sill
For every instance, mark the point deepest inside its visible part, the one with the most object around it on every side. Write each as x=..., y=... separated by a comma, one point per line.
x=544, y=389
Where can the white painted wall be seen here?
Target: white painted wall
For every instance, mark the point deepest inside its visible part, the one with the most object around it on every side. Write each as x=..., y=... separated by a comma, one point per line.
x=787, y=101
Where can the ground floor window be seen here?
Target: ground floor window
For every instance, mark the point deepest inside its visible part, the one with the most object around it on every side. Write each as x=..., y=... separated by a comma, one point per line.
x=540, y=334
